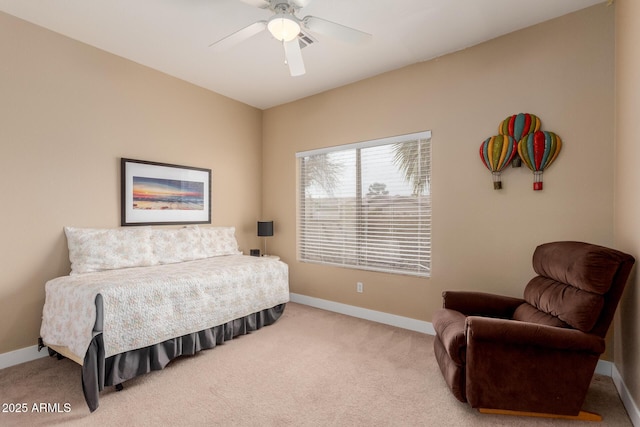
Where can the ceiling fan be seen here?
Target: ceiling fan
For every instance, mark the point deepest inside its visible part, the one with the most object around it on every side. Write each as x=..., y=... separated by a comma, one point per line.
x=286, y=27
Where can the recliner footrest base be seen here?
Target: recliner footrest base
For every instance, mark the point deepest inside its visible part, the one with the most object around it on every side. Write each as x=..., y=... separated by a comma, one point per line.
x=582, y=415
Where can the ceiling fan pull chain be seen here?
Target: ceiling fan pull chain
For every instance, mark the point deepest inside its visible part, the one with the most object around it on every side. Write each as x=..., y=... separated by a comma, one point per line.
x=284, y=53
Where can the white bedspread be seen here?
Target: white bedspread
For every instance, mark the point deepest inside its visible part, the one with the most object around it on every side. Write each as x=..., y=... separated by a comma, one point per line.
x=147, y=305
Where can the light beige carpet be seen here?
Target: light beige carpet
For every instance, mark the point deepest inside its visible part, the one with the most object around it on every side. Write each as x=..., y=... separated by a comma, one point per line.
x=311, y=368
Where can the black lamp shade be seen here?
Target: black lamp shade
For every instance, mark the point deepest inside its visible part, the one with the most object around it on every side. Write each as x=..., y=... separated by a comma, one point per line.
x=265, y=228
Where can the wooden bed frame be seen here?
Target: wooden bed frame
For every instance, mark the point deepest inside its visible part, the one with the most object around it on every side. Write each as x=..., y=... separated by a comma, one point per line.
x=64, y=351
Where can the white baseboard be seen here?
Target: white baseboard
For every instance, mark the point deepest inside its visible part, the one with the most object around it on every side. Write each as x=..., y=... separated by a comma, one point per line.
x=625, y=396
x=365, y=313
x=23, y=355
x=604, y=367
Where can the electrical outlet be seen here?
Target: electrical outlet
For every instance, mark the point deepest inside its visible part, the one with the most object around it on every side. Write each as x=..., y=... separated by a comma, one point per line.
x=359, y=287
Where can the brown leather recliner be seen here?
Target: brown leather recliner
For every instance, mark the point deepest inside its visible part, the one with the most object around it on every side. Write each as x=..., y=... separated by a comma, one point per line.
x=536, y=354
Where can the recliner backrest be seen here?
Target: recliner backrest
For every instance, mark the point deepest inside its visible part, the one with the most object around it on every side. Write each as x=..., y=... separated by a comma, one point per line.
x=578, y=285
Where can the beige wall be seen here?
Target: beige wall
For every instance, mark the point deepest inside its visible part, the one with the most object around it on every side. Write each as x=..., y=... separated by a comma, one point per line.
x=483, y=239
x=68, y=112
x=627, y=188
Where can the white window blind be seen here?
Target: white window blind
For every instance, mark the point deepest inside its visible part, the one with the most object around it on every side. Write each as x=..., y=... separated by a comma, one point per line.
x=367, y=205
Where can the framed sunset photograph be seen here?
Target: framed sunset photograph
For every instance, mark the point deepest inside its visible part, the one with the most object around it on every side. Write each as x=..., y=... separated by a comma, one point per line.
x=162, y=194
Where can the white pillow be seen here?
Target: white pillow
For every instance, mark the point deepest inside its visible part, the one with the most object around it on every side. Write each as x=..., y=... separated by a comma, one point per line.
x=92, y=249
x=218, y=241
x=176, y=245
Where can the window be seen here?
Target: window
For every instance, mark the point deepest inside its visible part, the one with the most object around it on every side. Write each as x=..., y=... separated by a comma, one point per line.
x=367, y=205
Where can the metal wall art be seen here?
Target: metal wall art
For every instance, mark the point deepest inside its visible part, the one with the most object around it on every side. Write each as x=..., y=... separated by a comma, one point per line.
x=520, y=140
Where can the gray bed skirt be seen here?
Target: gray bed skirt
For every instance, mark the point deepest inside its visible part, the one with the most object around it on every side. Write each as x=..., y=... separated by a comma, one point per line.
x=98, y=372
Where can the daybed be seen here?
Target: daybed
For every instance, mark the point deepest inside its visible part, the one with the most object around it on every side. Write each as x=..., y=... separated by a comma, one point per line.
x=136, y=298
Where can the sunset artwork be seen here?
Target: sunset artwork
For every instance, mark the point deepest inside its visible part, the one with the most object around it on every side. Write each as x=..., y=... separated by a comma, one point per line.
x=167, y=194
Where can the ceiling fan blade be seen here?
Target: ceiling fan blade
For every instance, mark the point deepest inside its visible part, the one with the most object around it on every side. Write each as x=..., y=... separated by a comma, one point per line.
x=294, y=57
x=262, y=4
x=338, y=31
x=300, y=3
x=238, y=36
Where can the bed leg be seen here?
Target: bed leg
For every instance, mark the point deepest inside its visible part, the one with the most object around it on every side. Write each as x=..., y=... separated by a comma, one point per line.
x=51, y=352
x=54, y=353
x=119, y=387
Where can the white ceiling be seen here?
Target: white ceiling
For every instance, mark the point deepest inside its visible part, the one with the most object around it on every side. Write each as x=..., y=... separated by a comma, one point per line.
x=173, y=36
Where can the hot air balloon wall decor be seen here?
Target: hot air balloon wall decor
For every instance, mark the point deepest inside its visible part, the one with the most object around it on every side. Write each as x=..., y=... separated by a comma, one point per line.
x=518, y=126
x=496, y=152
x=538, y=150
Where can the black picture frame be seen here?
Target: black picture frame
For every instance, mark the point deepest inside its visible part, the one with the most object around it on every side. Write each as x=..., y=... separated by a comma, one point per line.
x=154, y=193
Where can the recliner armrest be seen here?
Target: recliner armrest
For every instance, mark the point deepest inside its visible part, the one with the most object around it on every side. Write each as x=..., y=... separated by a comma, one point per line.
x=480, y=303
x=524, y=366
x=512, y=332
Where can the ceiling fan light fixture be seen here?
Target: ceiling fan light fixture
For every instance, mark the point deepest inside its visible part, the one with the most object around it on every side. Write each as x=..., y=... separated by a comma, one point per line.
x=283, y=27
